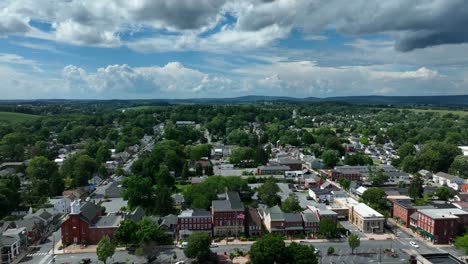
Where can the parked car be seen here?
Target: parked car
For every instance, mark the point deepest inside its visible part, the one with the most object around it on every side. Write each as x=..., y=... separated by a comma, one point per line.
x=180, y=262
x=413, y=244
x=316, y=251
x=213, y=245
x=182, y=245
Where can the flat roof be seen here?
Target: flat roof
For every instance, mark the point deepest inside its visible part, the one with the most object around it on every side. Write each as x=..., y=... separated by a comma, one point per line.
x=443, y=213
x=366, y=211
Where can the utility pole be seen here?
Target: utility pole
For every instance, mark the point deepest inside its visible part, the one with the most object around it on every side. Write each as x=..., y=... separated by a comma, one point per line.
x=53, y=247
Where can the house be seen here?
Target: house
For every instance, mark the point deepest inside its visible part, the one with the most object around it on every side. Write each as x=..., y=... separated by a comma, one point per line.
x=34, y=228
x=87, y=224
x=321, y=195
x=293, y=174
x=425, y=174
x=47, y=216
x=277, y=222
x=228, y=215
x=360, y=191
x=272, y=170
x=312, y=181
x=61, y=204
x=168, y=223
x=441, y=226
x=12, y=243
x=178, y=199
x=193, y=220
x=253, y=223
x=197, y=180
x=95, y=180
x=114, y=190
x=293, y=164
x=449, y=180
x=185, y=123
x=311, y=220
x=77, y=193
x=366, y=219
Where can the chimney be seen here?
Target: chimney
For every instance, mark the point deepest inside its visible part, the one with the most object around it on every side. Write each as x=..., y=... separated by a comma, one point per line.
x=75, y=207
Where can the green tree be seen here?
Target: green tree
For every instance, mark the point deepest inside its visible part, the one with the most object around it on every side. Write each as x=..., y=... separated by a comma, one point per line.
x=209, y=170
x=149, y=232
x=302, y=254
x=126, y=233
x=410, y=164
x=198, y=246
x=138, y=191
x=354, y=242
x=185, y=171
x=461, y=243
x=79, y=168
x=163, y=177
x=103, y=154
x=269, y=249
x=199, y=151
x=416, y=189
x=460, y=166
x=105, y=249
x=406, y=149
x=327, y=227
x=199, y=169
x=445, y=193
x=45, y=178
x=330, y=158
x=163, y=201
x=330, y=250
x=344, y=183
x=291, y=204
x=375, y=198
x=377, y=177
x=267, y=192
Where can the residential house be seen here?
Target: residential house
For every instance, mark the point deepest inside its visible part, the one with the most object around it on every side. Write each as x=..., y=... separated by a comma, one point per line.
x=278, y=222
x=312, y=181
x=34, y=228
x=178, y=199
x=193, y=220
x=366, y=219
x=95, y=180
x=168, y=223
x=77, y=193
x=321, y=195
x=311, y=221
x=61, y=204
x=12, y=243
x=293, y=164
x=253, y=223
x=449, y=180
x=228, y=215
x=114, y=190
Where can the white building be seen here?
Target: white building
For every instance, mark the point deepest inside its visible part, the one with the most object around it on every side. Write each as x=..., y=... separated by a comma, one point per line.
x=61, y=204
x=464, y=150
x=449, y=180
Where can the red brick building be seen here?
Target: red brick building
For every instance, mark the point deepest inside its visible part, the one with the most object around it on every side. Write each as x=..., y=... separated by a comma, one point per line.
x=334, y=175
x=293, y=164
x=196, y=220
x=228, y=215
x=442, y=225
x=87, y=223
x=402, y=210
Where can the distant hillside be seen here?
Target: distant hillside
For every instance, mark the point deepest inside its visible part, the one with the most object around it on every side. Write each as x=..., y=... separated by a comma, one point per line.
x=11, y=117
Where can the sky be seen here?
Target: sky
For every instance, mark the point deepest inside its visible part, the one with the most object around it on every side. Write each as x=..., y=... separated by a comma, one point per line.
x=148, y=49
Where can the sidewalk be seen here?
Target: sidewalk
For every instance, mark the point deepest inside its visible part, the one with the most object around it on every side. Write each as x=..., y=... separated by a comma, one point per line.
x=76, y=249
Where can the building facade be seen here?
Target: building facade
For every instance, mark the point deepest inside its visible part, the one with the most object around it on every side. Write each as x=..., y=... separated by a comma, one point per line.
x=366, y=219
x=193, y=220
x=228, y=216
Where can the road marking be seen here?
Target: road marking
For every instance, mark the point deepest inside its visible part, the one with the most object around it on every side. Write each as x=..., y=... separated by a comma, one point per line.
x=38, y=254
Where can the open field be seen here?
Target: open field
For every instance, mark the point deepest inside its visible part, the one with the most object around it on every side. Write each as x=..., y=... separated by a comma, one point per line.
x=441, y=111
x=11, y=117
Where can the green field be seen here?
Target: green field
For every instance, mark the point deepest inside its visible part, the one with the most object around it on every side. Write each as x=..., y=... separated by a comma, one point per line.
x=11, y=117
x=441, y=111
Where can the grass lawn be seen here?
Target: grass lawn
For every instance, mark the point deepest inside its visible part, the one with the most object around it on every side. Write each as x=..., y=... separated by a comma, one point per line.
x=12, y=117
x=182, y=188
x=441, y=111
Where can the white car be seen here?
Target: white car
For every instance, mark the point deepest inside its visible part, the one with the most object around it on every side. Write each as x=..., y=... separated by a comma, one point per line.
x=182, y=245
x=180, y=262
x=213, y=245
x=413, y=244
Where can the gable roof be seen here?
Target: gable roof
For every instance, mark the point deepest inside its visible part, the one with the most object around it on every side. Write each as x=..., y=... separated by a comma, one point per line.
x=89, y=211
x=446, y=175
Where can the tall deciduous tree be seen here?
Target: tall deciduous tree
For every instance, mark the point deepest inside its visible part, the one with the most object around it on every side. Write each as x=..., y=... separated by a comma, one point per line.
x=416, y=189
x=354, y=242
x=269, y=249
x=138, y=192
x=126, y=233
x=291, y=204
x=460, y=166
x=105, y=249
x=375, y=198
x=198, y=246
x=302, y=254
x=268, y=192
x=327, y=227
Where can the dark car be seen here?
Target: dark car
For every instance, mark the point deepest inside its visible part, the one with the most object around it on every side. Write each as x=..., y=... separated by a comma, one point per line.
x=85, y=261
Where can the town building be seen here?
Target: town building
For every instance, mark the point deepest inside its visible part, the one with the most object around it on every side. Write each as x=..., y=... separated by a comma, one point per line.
x=278, y=222
x=321, y=195
x=12, y=243
x=193, y=220
x=272, y=169
x=366, y=219
x=311, y=222
x=449, y=180
x=403, y=209
x=61, y=204
x=253, y=223
x=293, y=164
x=87, y=223
x=442, y=225
x=228, y=215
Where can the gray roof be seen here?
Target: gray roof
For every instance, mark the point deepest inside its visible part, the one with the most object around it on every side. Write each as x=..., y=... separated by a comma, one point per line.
x=292, y=217
x=7, y=240
x=443, y=213
x=89, y=211
x=310, y=217
x=319, y=191
x=274, y=167
x=137, y=214
x=109, y=220
x=446, y=175
x=289, y=161
x=414, y=216
x=44, y=214
x=169, y=220
x=178, y=198
x=275, y=212
x=232, y=203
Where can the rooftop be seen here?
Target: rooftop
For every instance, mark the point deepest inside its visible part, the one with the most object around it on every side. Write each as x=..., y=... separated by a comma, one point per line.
x=109, y=220
x=365, y=211
x=443, y=213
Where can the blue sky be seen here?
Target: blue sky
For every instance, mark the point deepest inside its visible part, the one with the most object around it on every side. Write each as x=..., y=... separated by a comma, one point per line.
x=185, y=49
